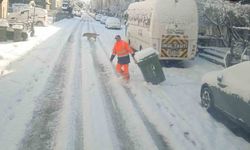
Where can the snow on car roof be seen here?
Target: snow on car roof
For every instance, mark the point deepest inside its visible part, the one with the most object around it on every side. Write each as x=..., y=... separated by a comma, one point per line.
x=236, y=79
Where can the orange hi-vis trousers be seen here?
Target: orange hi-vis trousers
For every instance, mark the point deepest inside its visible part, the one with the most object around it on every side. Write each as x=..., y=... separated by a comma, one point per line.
x=123, y=70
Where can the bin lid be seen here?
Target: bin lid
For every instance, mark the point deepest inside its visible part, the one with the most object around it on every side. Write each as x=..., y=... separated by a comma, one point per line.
x=144, y=53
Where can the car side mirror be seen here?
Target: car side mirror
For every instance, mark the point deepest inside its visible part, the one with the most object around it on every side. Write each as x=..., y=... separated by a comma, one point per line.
x=220, y=78
x=220, y=83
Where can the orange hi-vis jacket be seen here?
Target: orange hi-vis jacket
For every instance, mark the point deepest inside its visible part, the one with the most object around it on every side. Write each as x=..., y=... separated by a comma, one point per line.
x=122, y=50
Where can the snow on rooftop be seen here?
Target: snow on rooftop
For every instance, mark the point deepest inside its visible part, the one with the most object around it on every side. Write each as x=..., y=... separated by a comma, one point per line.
x=242, y=28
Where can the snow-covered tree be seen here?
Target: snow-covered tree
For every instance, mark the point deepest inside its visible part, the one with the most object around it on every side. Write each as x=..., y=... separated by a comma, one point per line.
x=226, y=19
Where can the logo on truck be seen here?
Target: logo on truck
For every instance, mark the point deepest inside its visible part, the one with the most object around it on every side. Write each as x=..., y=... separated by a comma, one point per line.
x=174, y=46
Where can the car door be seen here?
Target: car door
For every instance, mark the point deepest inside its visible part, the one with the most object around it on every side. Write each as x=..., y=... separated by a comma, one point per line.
x=223, y=100
x=242, y=111
x=242, y=99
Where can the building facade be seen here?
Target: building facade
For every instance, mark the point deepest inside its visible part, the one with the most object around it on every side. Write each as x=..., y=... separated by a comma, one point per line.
x=112, y=7
x=55, y=4
x=3, y=8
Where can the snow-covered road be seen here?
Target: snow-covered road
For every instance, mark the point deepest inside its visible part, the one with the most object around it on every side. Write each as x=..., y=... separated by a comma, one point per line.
x=65, y=94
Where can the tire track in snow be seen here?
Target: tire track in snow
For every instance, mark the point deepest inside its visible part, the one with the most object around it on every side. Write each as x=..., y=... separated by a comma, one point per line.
x=159, y=140
x=141, y=107
x=40, y=134
x=173, y=118
x=70, y=131
x=98, y=131
x=125, y=143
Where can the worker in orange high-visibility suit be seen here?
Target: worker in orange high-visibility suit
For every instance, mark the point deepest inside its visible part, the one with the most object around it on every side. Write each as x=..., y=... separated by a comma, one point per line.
x=122, y=50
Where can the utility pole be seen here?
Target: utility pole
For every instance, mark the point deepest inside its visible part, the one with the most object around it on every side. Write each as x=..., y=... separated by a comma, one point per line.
x=32, y=3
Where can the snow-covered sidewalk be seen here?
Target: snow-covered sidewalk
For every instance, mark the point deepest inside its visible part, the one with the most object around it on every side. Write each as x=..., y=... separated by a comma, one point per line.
x=26, y=67
x=11, y=51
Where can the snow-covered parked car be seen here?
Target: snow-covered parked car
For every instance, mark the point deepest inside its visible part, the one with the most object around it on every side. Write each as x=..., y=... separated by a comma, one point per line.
x=229, y=91
x=40, y=19
x=103, y=19
x=113, y=23
x=98, y=17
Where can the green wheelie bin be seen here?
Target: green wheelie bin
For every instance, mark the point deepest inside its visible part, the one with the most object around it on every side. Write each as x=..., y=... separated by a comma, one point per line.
x=3, y=33
x=3, y=29
x=17, y=35
x=151, y=69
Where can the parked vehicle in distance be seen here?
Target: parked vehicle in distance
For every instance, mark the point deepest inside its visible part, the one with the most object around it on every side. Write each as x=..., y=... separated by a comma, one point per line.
x=113, y=23
x=103, y=19
x=98, y=17
x=41, y=16
x=170, y=27
x=65, y=5
x=229, y=91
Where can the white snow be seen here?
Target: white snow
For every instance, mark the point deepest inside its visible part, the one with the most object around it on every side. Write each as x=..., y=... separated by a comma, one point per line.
x=140, y=55
x=3, y=23
x=236, y=78
x=24, y=72
x=12, y=51
x=172, y=109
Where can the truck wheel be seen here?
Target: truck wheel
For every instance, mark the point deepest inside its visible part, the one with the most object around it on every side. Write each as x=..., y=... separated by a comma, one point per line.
x=39, y=23
x=24, y=36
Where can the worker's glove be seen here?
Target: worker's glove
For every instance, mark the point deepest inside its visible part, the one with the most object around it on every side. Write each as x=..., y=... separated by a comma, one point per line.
x=111, y=58
x=133, y=55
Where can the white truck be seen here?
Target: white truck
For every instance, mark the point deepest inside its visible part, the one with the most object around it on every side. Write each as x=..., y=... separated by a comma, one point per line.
x=169, y=26
x=24, y=15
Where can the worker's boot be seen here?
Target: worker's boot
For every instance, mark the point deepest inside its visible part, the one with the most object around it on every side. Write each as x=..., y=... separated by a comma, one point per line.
x=126, y=77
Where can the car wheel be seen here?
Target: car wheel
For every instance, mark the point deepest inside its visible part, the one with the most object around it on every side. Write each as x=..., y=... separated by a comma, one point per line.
x=206, y=98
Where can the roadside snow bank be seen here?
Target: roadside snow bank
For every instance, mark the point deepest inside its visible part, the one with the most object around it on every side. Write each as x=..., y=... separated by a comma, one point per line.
x=20, y=90
x=12, y=51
